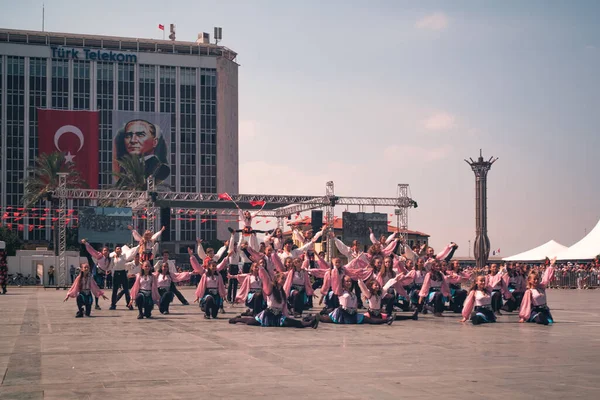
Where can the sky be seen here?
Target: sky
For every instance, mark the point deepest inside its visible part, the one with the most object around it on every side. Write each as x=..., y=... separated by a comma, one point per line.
x=370, y=94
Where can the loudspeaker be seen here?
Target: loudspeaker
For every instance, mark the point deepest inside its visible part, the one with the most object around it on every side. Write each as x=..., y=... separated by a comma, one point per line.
x=316, y=219
x=165, y=220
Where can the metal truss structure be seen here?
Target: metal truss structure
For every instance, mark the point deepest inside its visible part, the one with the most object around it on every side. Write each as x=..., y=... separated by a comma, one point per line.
x=278, y=206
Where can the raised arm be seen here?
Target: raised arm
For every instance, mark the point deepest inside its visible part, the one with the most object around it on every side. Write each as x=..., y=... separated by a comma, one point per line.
x=223, y=264
x=548, y=274
x=364, y=289
x=195, y=264
x=410, y=254
x=390, y=238
x=220, y=253
x=200, y=250
x=93, y=252
x=297, y=236
x=136, y=236
x=157, y=234
x=267, y=283
x=372, y=237
x=322, y=263
x=342, y=248
x=389, y=249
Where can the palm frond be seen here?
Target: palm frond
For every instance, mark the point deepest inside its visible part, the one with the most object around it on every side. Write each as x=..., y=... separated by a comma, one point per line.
x=42, y=178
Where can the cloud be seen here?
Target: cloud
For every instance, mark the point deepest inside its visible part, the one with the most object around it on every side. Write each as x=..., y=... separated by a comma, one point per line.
x=437, y=22
x=440, y=121
x=410, y=153
x=248, y=130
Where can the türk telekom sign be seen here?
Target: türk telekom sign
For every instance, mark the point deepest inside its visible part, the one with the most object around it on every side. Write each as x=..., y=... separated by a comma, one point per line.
x=92, y=55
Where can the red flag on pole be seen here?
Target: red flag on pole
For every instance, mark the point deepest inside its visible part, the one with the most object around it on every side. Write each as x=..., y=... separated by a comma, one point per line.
x=161, y=27
x=224, y=196
x=75, y=134
x=257, y=203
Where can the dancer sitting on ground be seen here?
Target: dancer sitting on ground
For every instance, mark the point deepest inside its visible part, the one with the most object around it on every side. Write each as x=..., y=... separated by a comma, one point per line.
x=276, y=314
x=346, y=312
x=82, y=289
x=478, y=305
x=145, y=291
x=534, y=307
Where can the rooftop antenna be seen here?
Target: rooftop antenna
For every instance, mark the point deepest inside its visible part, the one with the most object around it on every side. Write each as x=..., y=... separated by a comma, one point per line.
x=218, y=34
x=43, y=15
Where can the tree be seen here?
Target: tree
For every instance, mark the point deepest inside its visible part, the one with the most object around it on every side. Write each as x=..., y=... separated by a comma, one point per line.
x=11, y=238
x=132, y=173
x=42, y=179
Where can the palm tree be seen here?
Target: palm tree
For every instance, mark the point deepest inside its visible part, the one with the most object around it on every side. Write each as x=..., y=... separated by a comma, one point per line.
x=42, y=179
x=131, y=176
x=132, y=173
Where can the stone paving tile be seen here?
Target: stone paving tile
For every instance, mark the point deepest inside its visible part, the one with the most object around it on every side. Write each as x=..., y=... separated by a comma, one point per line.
x=46, y=353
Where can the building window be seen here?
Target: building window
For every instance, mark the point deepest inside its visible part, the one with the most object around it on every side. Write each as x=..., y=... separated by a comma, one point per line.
x=147, y=88
x=81, y=85
x=126, y=86
x=15, y=130
x=105, y=88
x=60, y=84
x=188, y=131
x=167, y=89
x=37, y=99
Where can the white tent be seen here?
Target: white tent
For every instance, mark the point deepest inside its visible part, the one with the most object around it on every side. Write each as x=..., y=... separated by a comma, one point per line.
x=549, y=249
x=2, y=245
x=586, y=249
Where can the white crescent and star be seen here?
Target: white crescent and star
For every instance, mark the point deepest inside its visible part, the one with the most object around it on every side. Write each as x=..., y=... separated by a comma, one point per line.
x=69, y=129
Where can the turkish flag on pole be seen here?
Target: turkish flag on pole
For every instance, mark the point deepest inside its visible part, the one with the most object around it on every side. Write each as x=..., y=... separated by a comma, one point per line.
x=224, y=196
x=75, y=134
x=256, y=203
x=161, y=27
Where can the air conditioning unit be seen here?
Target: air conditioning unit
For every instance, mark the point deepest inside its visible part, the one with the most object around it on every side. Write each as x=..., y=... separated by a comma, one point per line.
x=203, y=38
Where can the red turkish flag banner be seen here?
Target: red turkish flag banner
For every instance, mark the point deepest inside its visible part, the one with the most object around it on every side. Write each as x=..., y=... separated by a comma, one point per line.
x=75, y=134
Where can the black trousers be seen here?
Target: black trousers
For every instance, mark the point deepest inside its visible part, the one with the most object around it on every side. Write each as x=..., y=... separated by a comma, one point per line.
x=145, y=304
x=496, y=300
x=211, y=306
x=120, y=281
x=297, y=301
x=232, y=287
x=130, y=283
x=166, y=297
x=388, y=301
x=177, y=293
x=246, y=268
x=85, y=300
x=457, y=301
x=257, y=304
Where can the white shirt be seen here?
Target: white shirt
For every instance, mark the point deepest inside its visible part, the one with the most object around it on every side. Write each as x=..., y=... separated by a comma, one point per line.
x=164, y=281
x=133, y=268
x=119, y=263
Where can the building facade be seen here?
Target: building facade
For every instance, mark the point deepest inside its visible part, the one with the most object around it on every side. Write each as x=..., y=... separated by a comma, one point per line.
x=197, y=83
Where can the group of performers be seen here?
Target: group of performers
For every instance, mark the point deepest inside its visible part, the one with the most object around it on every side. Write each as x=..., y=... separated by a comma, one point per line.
x=277, y=282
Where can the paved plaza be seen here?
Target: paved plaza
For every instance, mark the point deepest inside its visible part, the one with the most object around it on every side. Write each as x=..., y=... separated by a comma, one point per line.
x=46, y=353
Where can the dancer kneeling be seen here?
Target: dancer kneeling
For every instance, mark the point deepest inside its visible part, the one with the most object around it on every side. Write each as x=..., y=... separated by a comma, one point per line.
x=478, y=305
x=346, y=312
x=82, y=289
x=276, y=314
x=145, y=291
x=534, y=307
x=373, y=292
x=211, y=290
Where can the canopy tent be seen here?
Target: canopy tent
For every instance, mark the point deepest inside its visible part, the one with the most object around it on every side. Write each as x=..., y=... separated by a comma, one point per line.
x=586, y=249
x=2, y=245
x=549, y=249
